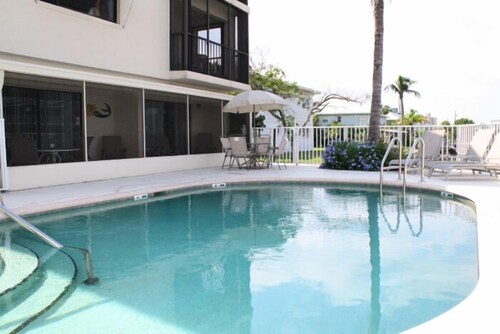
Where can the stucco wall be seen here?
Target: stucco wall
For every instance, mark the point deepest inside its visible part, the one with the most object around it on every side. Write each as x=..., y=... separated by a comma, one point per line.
x=26, y=177
x=138, y=44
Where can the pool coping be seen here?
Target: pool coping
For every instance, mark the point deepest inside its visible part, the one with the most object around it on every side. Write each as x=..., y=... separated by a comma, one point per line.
x=471, y=315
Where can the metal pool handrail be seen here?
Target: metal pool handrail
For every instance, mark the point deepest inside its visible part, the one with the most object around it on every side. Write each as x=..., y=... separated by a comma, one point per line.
x=21, y=221
x=382, y=168
x=52, y=242
x=420, y=142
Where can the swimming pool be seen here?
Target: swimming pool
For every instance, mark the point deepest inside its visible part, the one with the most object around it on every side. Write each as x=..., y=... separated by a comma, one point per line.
x=267, y=259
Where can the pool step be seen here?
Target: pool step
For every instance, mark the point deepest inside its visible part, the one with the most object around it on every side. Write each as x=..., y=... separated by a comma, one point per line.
x=40, y=292
x=19, y=263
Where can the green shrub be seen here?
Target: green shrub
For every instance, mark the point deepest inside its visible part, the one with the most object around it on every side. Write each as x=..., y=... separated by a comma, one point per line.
x=355, y=156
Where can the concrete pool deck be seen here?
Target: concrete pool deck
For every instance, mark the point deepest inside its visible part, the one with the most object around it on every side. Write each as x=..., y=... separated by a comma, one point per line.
x=475, y=314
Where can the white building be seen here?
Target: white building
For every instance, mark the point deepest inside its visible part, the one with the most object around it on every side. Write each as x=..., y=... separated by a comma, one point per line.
x=353, y=116
x=122, y=89
x=298, y=108
x=431, y=119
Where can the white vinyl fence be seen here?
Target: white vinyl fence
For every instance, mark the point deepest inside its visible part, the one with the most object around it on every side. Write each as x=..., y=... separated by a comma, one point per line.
x=306, y=144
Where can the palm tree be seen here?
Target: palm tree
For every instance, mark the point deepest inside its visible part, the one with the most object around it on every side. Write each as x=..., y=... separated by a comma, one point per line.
x=385, y=110
x=378, y=57
x=402, y=87
x=413, y=117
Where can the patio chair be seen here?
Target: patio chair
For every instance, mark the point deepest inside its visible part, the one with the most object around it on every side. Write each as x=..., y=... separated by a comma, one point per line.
x=279, y=152
x=490, y=164
x=112, y=148
x=262, y=149
x=433, y=140
x=22, y=151
x=239, y=150
x=226, y=146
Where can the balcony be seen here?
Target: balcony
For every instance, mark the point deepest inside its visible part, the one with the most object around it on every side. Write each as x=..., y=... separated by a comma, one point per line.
x=197, y=54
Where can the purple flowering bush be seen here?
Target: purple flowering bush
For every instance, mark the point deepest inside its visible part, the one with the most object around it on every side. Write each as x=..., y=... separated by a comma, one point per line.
x=354, y=156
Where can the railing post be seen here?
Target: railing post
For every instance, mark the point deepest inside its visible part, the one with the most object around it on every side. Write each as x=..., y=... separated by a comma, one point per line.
x=295, y=149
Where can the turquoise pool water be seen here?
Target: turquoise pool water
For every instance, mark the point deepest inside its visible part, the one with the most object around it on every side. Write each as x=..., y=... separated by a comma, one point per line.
x=266, y=259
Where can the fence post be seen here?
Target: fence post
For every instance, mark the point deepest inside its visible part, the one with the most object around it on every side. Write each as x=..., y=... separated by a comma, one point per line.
x=295, y=148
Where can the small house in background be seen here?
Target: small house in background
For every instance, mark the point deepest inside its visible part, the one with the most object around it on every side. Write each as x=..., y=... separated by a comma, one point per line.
x=355, y=115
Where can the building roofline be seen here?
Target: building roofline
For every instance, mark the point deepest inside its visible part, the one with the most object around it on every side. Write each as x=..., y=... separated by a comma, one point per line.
x=308, y=90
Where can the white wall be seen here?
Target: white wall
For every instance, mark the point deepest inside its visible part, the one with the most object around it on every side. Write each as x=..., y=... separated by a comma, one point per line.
x=326, y=120
x=26, y=177
x=139, y=44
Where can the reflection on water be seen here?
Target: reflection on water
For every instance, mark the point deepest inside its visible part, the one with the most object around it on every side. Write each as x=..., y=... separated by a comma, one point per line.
x=278, y=259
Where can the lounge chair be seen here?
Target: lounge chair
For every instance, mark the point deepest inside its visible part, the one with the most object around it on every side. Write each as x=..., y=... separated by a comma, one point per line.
x=279, y=152
x=226, y=146
x=490, y=164
x=433, y=142
x=239, y=150
x=476, y=151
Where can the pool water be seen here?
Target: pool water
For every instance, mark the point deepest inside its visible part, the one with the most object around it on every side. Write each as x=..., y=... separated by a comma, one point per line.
x=266, y=259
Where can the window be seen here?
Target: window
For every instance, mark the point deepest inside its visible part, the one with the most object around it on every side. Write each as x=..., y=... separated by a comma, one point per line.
x=205, y=120
x=43, y=120
x=103, y=9
x=166, y=124
x=114, y=122
x=306, y=102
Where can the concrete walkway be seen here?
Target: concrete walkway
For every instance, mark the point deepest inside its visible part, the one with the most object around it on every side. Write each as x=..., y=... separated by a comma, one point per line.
x=474, y=315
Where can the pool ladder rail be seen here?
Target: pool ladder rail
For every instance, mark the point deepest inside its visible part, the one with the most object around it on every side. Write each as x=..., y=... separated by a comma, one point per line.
x=91, y=279
x=409, y=163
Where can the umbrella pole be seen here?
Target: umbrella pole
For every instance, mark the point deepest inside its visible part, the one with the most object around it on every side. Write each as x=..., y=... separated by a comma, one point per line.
x=251, y=125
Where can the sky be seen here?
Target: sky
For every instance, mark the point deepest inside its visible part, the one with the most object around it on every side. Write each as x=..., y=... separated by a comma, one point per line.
x=451, y=48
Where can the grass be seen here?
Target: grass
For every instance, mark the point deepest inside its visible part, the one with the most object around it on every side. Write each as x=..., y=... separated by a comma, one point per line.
x=314, y=156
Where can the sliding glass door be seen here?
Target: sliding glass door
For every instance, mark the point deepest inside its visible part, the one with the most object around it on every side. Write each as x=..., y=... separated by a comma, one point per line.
x=43, y=120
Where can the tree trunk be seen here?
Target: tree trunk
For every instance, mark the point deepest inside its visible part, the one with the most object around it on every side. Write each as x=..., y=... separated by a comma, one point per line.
x=378, y=57
x=401, y=109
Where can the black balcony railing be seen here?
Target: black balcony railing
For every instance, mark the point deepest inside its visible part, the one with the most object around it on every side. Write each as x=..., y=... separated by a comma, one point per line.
x=193, y=53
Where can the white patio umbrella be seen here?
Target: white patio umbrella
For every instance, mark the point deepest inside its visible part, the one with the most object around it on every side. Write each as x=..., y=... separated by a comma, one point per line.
x=253, y=101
